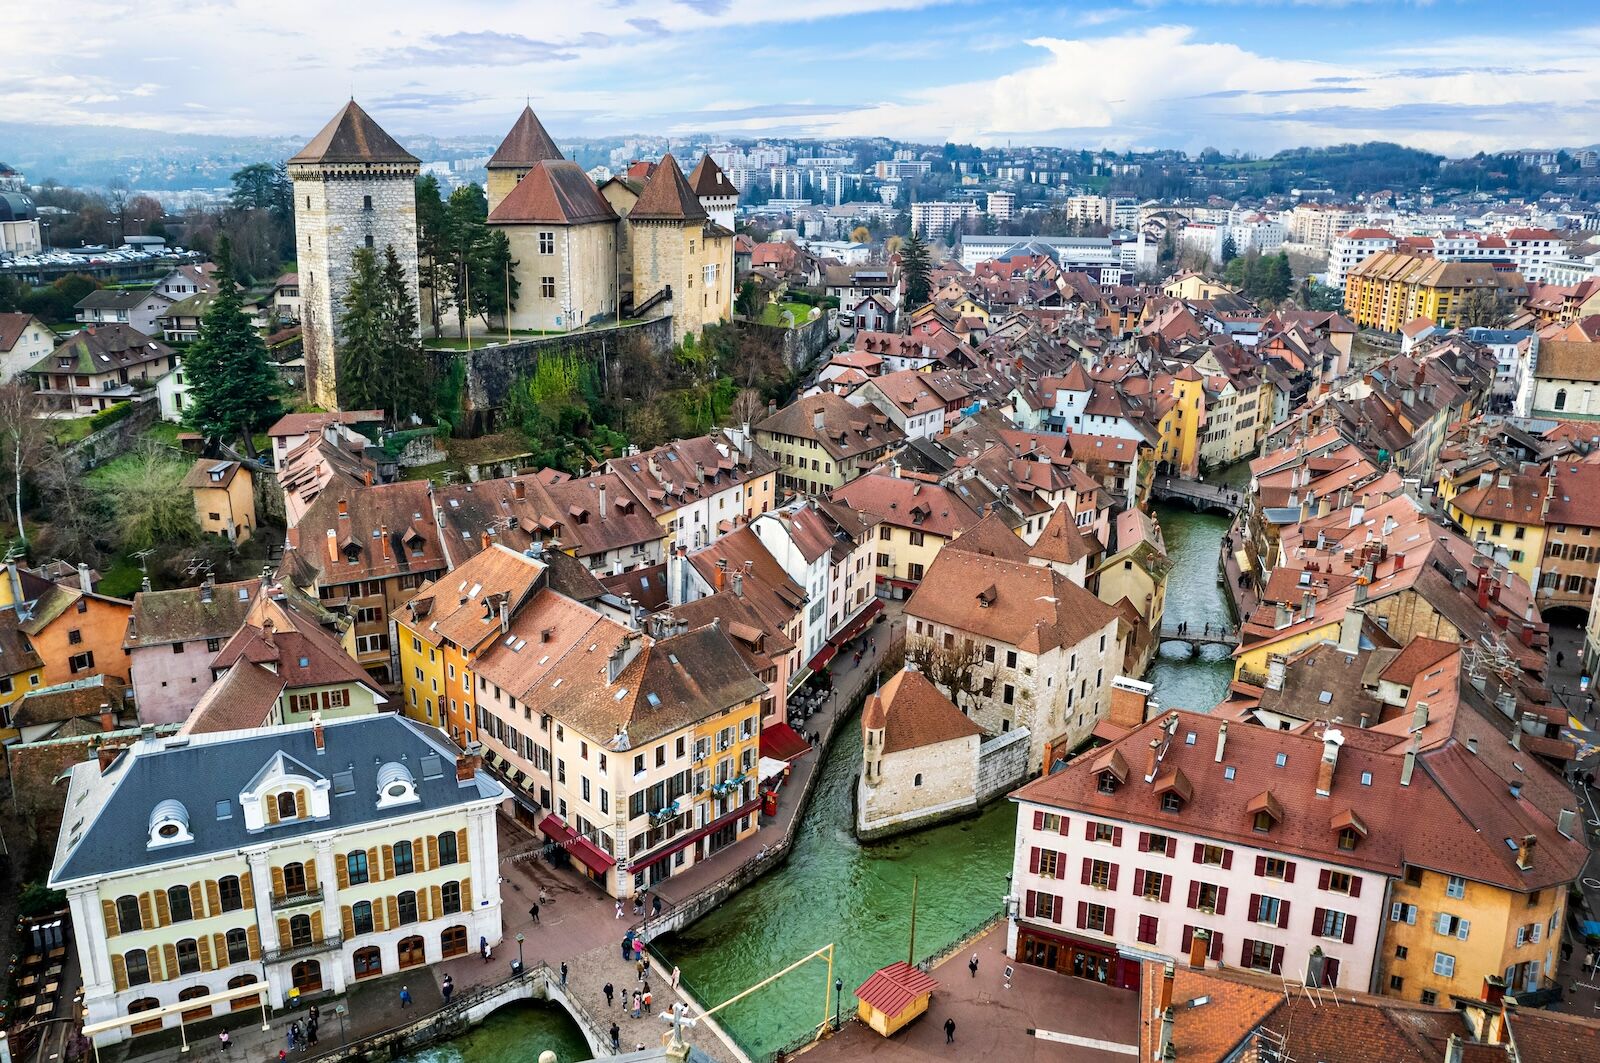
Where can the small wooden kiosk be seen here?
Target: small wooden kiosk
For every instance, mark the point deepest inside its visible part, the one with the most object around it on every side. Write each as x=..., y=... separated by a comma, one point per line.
x=894, y=996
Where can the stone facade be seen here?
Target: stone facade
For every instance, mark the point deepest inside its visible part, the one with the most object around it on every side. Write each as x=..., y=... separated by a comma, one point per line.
x=340, y=208
x=698, y=267
x=566, y=274
x=918, y=786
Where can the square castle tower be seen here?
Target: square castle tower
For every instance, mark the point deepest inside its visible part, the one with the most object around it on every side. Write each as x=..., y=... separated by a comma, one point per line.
x=354, y=187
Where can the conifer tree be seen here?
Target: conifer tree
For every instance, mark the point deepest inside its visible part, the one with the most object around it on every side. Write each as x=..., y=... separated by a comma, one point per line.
x=364, y=332
x=914, y=265
x=233, y=389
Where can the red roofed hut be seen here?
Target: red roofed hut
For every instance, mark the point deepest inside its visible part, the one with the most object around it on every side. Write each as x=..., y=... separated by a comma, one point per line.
x=894, y=996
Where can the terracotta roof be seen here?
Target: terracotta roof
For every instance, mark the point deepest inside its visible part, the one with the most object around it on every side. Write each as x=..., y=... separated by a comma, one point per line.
x=593, y=528
x=709, y=180
x=893, y=989
x=301, y=653
x=352, y=136
x=1062, y=540
x=547, y=627
x=1031, y=607
x=241, y=698
x=16, y=652
x=991, y=536
x=667, y=196
x=765, y=584
x=463, y=606
x=847, y=430
x=299, y=424
x=1568, y=360
x=927, y=507
x=526, y=145
x=1575, y=496
x=913, y=714
x=553, y=193
x=1541, y=1037
x=189, y=613
x=1520, y=501
x=200, y=474
x=11, y=326
x=68, y=701
x=385, y=530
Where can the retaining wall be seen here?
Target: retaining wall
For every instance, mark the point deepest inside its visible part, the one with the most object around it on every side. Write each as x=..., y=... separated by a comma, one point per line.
x=114, y=440
x=1002, y=764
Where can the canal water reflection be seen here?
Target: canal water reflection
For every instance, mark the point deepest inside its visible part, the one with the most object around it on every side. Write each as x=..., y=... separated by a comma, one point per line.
x=516, y=1033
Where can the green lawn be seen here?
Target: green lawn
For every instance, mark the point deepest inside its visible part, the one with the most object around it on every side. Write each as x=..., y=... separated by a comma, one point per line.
x=121, y=578
x=66, y=433
x=772, y=313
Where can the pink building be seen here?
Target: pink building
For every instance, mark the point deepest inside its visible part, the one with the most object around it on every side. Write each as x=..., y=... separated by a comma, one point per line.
x=173, y=636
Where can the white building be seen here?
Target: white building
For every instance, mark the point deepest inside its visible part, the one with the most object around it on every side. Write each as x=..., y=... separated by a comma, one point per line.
x=1002, y=205
x=1353, y=248
x=934, y=218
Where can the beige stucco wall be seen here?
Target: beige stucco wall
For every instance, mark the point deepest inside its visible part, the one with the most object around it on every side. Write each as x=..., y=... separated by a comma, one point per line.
x=582, y=264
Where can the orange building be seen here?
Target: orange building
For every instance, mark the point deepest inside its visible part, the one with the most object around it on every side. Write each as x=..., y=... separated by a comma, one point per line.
x=75, y=632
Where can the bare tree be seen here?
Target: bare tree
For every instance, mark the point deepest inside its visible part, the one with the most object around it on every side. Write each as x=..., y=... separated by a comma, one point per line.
x=23, y=436
x=747, y=406
x=953, y=668
x=75, y=521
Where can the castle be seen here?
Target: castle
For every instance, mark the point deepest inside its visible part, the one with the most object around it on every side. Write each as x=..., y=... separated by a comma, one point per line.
x=649, y=243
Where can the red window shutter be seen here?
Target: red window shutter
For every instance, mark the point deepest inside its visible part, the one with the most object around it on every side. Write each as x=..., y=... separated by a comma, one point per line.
x=1188, y=937
x=1288, y=871
x=1244, y=953
x=1088, y=870
x=1316, y=921
x=1216, y=944
x=1144, y=842
x=1277, y=959
x=1138, y=883
x=1062, y=829
x=1083, y=915
x=1322, y=879
x=1283, y=914
x=1033, y=904
x=1227, y=859
x=1222, y=900
x=1148, y=925
x=1349, y=929
x=1261, y=865
x=1111, y=883
x=1198, y=850
x=1253, y=912
x=1194, y=894
x=1055, y=910
x=1330, y=971
x=1038, y=819
x=1116, y=835
x=1111, y=922
x=1172, y=847
x=1166, y=887
x=1033, y=860
x=1355, y=885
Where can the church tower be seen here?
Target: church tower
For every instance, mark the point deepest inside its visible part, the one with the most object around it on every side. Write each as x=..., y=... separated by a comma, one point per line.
x=526, y=146
x=354, y=187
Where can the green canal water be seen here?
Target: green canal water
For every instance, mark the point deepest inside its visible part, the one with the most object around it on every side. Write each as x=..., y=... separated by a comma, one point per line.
x=517, y=1033
x=1186, y=679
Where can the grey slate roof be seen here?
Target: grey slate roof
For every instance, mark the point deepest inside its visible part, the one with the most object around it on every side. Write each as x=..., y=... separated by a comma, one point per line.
x=112, y=826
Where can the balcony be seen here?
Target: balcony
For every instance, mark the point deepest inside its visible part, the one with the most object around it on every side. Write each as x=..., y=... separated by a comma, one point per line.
x=296, y=900
x=300, y=952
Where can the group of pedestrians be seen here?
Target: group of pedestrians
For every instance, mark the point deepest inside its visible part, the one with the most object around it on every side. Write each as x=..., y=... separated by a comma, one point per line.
x=300, y=1037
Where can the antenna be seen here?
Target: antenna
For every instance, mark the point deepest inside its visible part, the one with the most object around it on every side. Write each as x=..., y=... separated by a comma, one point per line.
x=198, y=566
x=144, y=557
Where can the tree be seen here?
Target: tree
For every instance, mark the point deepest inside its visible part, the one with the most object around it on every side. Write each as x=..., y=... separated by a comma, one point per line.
x=915, y=270
x=954, y=668
x=748, y=302
x=433, y=244
x=148, y=498
x=233, y=389
x=467, y=228
x=861, y=234
x=407, y=378
x=1277, y=278
x=75, y=521
x=23, y=437
x=1230, y=250
x=1482, y=308
x=381, y=364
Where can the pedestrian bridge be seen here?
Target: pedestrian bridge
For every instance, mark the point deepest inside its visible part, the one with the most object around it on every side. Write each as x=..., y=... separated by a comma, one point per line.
x=1198, y=495
x=1201, y=635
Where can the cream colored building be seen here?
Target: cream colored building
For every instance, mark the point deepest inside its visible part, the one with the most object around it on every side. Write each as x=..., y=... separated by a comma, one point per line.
x=676, y=246
x=919, y=758
x=305, y=857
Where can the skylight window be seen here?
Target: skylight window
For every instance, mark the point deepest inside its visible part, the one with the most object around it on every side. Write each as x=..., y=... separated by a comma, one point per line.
x=1228, y=773
x=1281, y=759
x=655, y=702
x=1366, y=778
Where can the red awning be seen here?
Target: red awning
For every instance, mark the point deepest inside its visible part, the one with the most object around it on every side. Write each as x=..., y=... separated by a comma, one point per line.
x=782, y=742
x=859, y=624
x=587, y=852
x=689, y=839
x=823, y=656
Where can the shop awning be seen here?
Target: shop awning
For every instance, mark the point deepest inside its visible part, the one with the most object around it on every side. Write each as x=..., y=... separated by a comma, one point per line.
x=859, y=624
x=690, y=838
x=822, y=658
x=1242, y=559
x=782, y=742
x=582, y=849
x=770, y=768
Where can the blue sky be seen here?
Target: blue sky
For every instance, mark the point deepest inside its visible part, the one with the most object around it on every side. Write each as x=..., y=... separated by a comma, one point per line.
x=1256, y=75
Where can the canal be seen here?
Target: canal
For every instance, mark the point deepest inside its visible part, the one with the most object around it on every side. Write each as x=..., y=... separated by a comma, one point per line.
x=516, y=1033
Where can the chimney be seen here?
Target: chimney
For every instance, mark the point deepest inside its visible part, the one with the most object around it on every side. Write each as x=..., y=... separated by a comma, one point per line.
x=602, y=501
x=1483, y=590
x=818, y=417
x=1566, y=822
x=85, y=584
x=519, y=490
x=1155, y=760
x=108, y=719
x=206, y=586
x=738, y=584
x=468, y=763
x=106, y=756
x=505, y=614
x=1281, y=617
x=1494, y=989
x=484, y=542
x=316, y=732
x=1525, y=852
x=1222, y=739
x=1332, y=739
x=1168, y=972
x=1350, y=632
x=1527, y=631
x=1276, y=669
x=1308, y=605
x=333, y=546
x=344, y=509
x=1198, y=944
x=383, y=537
x=1419, y=716
x=622, y=656
x=1357, y=514
x=1409, y=765
x=1472, y=746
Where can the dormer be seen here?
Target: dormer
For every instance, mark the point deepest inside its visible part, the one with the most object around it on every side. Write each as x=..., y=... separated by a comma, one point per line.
x=1110, y=771
x=1350, y=830
x=396, y=785
x=1265, y=812
x=169, y=825
x=1174, y=790
x=284, y=791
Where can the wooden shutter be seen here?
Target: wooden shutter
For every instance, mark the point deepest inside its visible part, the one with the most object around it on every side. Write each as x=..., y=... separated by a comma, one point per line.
x=312, y=882
x=1033, y=860
x=1355, y=886
x=1227, y=859
x=1349, y=929
x=1088, y=870
x=202, y=945
x=1116, y=835
x=347, y=922
x=388, y=861
x=1277, y=959
x=1038, y=819
x=1088, y=830
x=1138, y=883
x=1166, y=887
x=374, y=866
x=1062, y=828
x=466, y=895
x=1216, y=944
x=1188, y=937
x=113, y=925
x=219, y=950
x=163, y=913
x=341, y=870
x=422, y=905
x=1056, y=904
x=1316, y=921
x=1322, y=879
x=393, y=904
x=197, y=900
x=152, y=959
x=461, y=845
x=1194, y=894
x=433, y=851
x=1283, y=914
x=278, y=887
x=247, y=888
x=169, y=956
x=252, y=938
x=1222, y=900
x=1111, y=883
x=1111, y=922
x=300, y=804
x=1261, y=866
x=213, y=897
x=1288, y=871
x=436, y=895
x=119, y=972
x=272, y=809
x=1144, y=841
x=1244, y=952
x=1083, y=915
x=1253, y=913
x=316, y=924
x=1199, y=851
x=419, y=852
x=1172, y=847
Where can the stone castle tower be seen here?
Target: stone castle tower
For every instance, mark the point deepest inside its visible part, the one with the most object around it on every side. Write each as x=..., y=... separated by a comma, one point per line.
x=525, y=147
x=354, y=187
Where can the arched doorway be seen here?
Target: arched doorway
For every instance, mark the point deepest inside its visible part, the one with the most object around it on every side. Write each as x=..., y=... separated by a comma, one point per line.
x=242, y=1003
x=368, y=961
x=453, y=942
x=307, y=976
x=195, y=992
x=412, y=952
x=145, y=1004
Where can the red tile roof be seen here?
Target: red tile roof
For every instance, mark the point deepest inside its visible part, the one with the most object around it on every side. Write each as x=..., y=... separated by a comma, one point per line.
x=526, y=145
x=893, y=989
x=553, y=193
x=912, y=713
x=352, y=137
x=667, y=196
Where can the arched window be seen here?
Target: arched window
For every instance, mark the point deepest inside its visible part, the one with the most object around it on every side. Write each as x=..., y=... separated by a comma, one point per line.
x=138, y=964
x=450, y=898
x=403, y=864
x=306, y=976
x=447, y=848
x=918, y=780
x=286, y=806
x=195, y=992
x=128, y=918
x=294, y=879
x=408, y=907
x=412, y=953
x=144, y=1004
x=241, y=1003
x=188, y=957
x=228, y=893
x=1561, y=399
x=453, y=942
x=238, y=946
x=368, y=962
x=299, y=930
x=361, y=916
x=355, y=863
x=178, y=904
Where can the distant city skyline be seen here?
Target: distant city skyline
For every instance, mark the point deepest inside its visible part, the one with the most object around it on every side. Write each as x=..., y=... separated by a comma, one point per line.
x=1455, y=76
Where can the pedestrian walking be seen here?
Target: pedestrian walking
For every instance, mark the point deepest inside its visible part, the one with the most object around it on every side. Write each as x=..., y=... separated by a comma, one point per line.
x=543, y=896
x=637, y=998
x=288, y=1033
x=644, y=985
x=972, y=965
x=949, y=1031
x=1561, y=658
x=610, y=991
x=674, y=976
x=619, y=909
x=563, y=972
x=483, y=946
x=227, y=1043
x=616, y=1038
x=645, y=959
x=405, y=996
x=655, y=904
x=315, y=1014
x=448, y=988
x=311, y=1034
x=638, y=967
x=647, y=1000
x=534, y=912
x=627, y=939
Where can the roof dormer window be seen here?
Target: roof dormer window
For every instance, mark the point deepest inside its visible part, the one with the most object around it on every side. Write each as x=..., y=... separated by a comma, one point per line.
x=396, y=786
x=169, y=825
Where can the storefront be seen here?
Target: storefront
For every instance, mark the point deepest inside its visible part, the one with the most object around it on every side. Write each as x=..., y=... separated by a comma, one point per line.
x=1095, y=961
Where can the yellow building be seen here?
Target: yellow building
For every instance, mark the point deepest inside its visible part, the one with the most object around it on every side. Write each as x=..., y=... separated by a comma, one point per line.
x=1506, y=510
x=916, y=519
x=1392, y=287
x=1191, y=286
x=680, y=258
x=224, y=498
x=1184, y=425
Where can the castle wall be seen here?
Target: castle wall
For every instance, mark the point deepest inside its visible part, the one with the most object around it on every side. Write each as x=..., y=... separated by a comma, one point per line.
x=582, y=264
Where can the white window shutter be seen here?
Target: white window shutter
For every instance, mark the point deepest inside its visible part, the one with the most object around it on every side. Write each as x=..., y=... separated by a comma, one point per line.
x=1442, y=924
x=1411, y=914
x=1394, y=912
x=1465, y=928
x=1537, y=927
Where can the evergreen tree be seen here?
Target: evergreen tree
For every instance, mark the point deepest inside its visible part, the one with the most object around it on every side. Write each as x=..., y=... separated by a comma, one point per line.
x=466, y=226
x=433, y=244
x=915, y=268
x=365, y=330
x=1277, y=278
x=1230, y=250
x=233, y=389
x=406, y=377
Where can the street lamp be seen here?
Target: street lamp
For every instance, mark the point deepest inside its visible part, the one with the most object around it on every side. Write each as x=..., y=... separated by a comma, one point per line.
x=519, y=953
x=838, y=993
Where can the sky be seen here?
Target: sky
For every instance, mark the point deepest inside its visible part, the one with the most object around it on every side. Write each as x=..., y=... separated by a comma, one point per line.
x=1454, y=76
